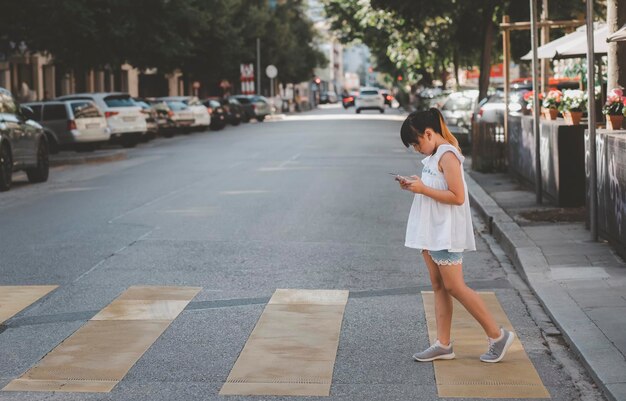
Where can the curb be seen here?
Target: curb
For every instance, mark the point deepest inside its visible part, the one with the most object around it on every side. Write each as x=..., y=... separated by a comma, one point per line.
x=56, y=161
x=600, y=357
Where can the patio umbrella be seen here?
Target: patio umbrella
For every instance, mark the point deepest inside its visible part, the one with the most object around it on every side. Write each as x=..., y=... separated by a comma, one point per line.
x=573, y=45
x=617, y=36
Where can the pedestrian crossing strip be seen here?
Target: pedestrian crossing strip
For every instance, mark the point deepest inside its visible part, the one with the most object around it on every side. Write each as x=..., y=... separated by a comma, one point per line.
x=293, y=346
x=14, y=298
x=99, y=354
x=291, y=351
x=466, y=376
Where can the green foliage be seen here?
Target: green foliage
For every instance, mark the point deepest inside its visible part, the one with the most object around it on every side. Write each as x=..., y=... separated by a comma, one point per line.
x=207, y=39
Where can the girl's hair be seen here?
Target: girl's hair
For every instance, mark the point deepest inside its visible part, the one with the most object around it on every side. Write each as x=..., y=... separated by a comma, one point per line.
x=417, y=122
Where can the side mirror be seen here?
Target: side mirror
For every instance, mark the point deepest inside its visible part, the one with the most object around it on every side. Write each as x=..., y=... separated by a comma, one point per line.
x=27, y=113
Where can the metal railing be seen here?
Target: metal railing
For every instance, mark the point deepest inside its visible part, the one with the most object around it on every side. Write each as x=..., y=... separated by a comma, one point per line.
x=488, y=147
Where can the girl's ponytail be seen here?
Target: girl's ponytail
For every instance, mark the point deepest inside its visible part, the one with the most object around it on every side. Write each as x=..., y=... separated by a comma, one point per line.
x=445, y=132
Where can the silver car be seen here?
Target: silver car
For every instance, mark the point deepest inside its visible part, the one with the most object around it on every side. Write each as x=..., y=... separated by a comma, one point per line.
x=72, y=124
x=457, y=111
x=124, y=118
x=23, y=144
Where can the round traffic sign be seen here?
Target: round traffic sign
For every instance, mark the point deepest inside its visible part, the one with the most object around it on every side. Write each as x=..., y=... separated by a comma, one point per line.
x=271, y=71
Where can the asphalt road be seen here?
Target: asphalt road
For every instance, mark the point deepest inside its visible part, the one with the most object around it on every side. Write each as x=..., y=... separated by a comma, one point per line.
x=306, y=202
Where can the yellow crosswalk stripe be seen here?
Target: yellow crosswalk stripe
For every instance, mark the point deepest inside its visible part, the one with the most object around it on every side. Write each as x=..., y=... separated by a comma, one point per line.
x=293, y=346
x=99, y=354
x=466, y=376
x=14, y=298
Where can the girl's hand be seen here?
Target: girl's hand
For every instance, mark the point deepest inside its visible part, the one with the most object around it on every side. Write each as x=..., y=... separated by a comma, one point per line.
x=414, y=184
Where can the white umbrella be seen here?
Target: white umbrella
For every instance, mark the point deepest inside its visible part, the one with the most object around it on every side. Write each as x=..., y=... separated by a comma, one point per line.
x=617, y=36
x=573, y=45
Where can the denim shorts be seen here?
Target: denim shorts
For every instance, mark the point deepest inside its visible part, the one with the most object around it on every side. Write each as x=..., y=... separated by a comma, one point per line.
x=446, y=258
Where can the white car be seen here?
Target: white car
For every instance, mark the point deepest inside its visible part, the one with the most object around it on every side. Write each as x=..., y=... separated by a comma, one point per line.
x=77, y=124
x=369, y=99
x=125, y=120
x=200, y=112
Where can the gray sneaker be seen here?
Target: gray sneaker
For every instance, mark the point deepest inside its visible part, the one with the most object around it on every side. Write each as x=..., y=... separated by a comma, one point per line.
x=435, y=351
x=497, y=349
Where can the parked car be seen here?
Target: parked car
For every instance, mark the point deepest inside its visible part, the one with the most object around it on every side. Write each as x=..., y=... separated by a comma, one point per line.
x=124, y=118
x=202, y=117
x=180, y=114
x=258, y=106
x=369, y=99
x=457, y=111
x=166, y=125
x=219, y=118
x=23, y=143
x=71, y=124
x=151, y=116
x=246, y=106
x=328, y=97
x=233, y=109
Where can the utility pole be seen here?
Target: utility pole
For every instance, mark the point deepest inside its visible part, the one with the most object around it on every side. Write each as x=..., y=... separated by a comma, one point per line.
x=545, y=38
x=593, y=176
x=258, y=66
x=533, y=38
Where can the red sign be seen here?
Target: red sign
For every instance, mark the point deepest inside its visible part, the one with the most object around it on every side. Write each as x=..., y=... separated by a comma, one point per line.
x=497, y=71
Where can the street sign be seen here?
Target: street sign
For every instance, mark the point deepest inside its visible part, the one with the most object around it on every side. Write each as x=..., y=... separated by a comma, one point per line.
x=271, y=71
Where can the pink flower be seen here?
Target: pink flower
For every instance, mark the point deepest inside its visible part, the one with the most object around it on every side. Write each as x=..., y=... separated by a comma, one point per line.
x=618, y=92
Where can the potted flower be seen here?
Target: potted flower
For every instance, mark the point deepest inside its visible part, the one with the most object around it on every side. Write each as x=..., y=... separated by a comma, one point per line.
x=614, y=109
x=528, y=98
x=573, y=104
x=551, y=104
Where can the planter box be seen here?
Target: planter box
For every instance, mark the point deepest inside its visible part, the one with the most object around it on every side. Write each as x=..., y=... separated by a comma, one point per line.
x=562, y=158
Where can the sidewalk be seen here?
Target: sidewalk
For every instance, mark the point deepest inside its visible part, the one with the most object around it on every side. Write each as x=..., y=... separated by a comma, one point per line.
x=581, y=284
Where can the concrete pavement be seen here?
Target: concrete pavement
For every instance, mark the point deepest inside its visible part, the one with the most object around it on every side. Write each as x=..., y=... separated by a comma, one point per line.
x=581, y=284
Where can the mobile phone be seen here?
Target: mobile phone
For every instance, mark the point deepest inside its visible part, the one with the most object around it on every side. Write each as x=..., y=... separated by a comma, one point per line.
x=399, y=178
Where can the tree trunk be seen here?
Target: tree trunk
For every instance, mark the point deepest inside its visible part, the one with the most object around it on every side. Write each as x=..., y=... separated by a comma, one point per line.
x=616, y=17
x=485, y=58
x=455, y=65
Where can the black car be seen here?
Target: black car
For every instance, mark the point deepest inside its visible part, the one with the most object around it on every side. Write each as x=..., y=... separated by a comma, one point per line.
x=218, y=114
x=23, y=143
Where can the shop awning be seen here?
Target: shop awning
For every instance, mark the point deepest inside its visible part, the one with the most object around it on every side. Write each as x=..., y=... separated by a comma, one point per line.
x=617, y=36
x=573, y=45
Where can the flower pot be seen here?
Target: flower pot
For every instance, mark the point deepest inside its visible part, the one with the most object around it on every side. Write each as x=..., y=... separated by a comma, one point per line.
x=614, y=122
x=550, y=114
x=573, y=117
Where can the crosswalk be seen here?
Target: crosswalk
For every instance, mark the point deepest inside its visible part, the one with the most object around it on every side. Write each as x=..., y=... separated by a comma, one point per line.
x=291, y=351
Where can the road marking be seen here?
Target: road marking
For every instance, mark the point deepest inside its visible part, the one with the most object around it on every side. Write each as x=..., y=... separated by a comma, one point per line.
x=99, y=354
x=14, y=299
x=468, y=377
x=293, y=346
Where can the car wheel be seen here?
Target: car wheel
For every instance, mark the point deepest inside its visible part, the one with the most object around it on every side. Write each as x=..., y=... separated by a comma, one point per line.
x=6, y=168
x=260, y=118
x=382, y=111
x=358, y=111
x=40, y=172
x=236, y=121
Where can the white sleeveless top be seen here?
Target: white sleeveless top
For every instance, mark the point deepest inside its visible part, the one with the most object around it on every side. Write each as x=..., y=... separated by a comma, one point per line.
x=434, y=225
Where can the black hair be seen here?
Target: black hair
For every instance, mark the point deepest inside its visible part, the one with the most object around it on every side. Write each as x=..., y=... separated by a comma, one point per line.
x=416, y=123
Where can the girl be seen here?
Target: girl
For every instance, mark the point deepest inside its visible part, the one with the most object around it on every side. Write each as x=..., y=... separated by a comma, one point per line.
x=440, y=225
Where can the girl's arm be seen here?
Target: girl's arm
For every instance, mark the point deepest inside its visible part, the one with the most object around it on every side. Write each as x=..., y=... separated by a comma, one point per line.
x=454, y=195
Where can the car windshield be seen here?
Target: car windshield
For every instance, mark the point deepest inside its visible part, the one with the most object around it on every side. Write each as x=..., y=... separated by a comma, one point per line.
x=213, y=103
x=85, y=110
x=369, y=93
x=176, y=105
x=119, y=101
x=459, y=103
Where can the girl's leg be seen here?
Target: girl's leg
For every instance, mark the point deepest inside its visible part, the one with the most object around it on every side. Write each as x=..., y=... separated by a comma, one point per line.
x=452, y=276
x=443, y=301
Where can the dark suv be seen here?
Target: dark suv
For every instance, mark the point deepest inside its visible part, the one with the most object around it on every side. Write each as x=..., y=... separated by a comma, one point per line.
x=23, y=144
